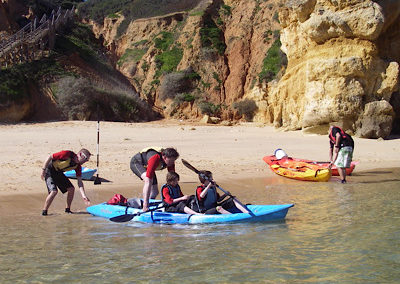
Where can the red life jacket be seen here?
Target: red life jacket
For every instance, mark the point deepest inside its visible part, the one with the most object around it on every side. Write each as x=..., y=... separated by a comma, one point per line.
x=117, y=199
x=342, y=134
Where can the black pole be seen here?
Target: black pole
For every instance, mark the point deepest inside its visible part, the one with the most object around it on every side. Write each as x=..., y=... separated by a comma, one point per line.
x=97, y=179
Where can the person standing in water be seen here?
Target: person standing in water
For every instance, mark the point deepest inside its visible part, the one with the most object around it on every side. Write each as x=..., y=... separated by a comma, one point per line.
x=146, y=162
x=53, y=173
x=341, y=150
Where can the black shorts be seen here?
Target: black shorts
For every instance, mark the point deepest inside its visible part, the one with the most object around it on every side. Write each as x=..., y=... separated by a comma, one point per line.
x=226, y=204
x=137, y=167
x=178, y=207
x=56, y=179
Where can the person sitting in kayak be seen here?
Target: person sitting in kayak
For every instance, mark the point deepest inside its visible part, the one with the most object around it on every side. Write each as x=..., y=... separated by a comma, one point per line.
x=173, y=198
x=208, y=200
x=146, y=162
x=53, y=173
x=341, y=150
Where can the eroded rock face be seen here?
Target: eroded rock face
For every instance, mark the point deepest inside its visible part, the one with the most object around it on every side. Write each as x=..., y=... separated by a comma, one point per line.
x=337, y=71
x=225, y=78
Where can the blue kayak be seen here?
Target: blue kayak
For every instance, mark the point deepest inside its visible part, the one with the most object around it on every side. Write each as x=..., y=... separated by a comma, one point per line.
x=87, y=173
x=260, y=213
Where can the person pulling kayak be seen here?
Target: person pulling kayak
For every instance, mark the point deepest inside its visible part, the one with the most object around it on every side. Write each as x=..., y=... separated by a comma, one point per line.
x=341, y=150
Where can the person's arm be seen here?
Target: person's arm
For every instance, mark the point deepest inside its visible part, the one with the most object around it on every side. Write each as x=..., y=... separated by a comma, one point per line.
x=152, y=165
x=146, y=192
x=182, y=197
x=335, y=150
x=167, y=198
x=204, y=192
x=45, y=165
x=82, y=190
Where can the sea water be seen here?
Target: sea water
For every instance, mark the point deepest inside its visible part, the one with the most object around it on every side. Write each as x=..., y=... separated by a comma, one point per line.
x=335, y=233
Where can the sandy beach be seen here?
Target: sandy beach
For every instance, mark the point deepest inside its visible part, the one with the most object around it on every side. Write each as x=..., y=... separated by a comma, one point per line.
x=230, y=152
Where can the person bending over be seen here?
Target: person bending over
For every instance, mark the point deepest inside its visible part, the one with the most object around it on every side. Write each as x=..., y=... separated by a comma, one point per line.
x=341, y=150
x=146, y=162
x=53, y=173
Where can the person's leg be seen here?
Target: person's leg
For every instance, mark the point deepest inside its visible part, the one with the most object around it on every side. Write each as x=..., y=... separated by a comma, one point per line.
x=52, y=192
x=187, y=210
x=154, y=191
x=146, y=191
x=240, y=207
x=343, y=161
x=342, y=174
x=70, y=197
x=49, y=200
x=222, y=210
x=231, y=202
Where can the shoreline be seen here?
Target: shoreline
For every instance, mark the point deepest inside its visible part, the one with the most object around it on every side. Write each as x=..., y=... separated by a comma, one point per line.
x=31, y=204
x=230, y=152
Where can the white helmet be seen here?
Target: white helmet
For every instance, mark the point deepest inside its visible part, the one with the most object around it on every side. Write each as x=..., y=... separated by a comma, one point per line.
x=279, y=154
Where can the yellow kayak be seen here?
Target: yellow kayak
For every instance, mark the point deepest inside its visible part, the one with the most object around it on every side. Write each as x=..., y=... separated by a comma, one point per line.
x=290, y=168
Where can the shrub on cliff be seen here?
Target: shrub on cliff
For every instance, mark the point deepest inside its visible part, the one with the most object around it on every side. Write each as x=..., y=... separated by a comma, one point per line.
x=97, y=10
x=14, y=80
x=170, y=55
x=246, y=108
x=176, y=83
x=209, y=108
x=79, y=99
x=273, y=62
x=212, y=36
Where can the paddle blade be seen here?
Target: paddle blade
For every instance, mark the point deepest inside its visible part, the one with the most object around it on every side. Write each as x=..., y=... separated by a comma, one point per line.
x=123, y=218
x=189, y=166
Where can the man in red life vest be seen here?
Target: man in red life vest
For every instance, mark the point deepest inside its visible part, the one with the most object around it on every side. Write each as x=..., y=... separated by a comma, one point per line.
x=53, y=173
x=341, y=150
x=146, y=162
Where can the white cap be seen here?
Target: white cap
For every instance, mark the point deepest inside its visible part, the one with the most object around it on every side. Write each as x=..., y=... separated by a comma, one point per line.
x=279, y=154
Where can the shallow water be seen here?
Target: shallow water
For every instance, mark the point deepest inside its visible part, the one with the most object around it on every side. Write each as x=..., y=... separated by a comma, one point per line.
x=335, y=234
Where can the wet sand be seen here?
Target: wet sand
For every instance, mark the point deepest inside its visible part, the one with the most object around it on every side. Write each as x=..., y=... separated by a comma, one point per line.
x=234, y=154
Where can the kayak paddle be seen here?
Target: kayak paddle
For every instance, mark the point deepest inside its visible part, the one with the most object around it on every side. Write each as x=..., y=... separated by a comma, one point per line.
x=127, y=217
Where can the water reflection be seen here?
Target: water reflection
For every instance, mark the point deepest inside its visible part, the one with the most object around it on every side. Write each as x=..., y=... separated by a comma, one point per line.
x=335, y=234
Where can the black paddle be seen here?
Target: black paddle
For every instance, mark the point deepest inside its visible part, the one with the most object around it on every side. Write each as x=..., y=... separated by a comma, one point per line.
x=189, y=166
x=127, y=217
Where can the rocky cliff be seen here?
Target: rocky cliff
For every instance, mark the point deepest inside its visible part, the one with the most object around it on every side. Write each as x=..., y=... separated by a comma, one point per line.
x=339, y=61
x=343, y=66
x=342, y=62
x=222, y=45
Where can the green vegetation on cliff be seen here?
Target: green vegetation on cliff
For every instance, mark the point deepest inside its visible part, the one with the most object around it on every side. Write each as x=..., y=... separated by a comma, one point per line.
x=273, y=62
x=212, y=35
x=14, y=81
x=97, y=10
x=170, y=56
x=80, y=78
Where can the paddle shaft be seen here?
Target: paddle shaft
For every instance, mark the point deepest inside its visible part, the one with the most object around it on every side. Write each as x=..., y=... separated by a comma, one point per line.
x=127, y=217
